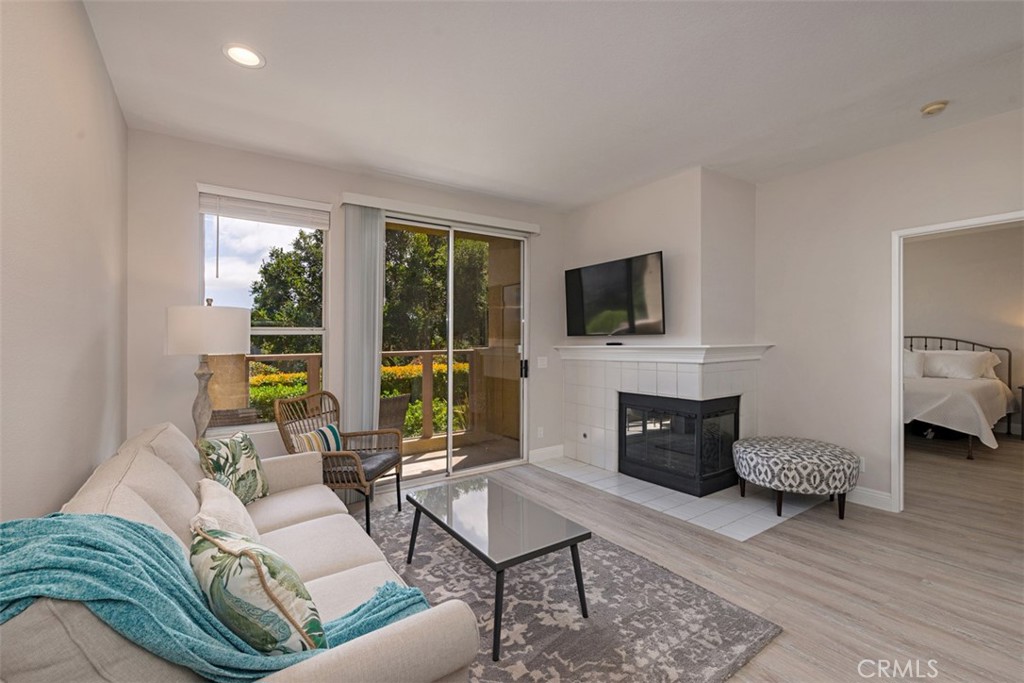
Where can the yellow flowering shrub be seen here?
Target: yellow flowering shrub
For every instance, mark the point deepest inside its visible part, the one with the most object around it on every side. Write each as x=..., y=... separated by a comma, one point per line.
x=286, y=378
x=391, y=373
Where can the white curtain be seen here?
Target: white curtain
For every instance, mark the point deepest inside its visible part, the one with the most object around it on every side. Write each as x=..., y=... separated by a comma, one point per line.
x=364, y=306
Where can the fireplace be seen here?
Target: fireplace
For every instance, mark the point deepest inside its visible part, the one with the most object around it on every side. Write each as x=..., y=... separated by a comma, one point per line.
x=682, y=444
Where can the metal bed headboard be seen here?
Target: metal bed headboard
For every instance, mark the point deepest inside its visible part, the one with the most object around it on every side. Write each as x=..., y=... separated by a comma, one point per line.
x=929, y=343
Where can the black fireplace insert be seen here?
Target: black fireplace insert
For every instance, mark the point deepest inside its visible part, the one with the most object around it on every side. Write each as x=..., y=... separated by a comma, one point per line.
x=679, y=443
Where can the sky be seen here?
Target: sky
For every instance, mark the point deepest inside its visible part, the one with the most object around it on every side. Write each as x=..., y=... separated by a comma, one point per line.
x=244, y=245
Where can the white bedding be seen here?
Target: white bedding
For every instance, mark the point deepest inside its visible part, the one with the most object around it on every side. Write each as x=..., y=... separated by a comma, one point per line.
x=970, y=406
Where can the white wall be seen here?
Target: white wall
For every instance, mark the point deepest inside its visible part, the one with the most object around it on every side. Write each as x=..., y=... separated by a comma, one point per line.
x=703, y=221
x=823, y=260
x=661, y=216
x=968, y=286
x=165, y=264
x=727, y=215
x=62, y=274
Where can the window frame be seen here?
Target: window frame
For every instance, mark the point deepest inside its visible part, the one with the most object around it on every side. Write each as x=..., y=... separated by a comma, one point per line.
x=323, y=331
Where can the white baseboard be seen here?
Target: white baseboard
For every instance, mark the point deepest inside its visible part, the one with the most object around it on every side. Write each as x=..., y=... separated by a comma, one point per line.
x=549, y=453
x=871, y=498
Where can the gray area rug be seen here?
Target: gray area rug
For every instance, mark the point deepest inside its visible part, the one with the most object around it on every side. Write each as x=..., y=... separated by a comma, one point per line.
x=645, y=624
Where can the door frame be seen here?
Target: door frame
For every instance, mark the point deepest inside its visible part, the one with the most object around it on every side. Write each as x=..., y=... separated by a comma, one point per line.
x=897, y=445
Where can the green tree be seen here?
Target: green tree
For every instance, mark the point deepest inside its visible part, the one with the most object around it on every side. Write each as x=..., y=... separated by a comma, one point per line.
x=470, y=301
x=416, y=286
x=289, y=293
x=415, y=290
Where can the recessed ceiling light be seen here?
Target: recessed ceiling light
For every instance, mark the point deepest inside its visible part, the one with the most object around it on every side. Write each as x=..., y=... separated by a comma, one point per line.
x=934, y=108
x=243, y=55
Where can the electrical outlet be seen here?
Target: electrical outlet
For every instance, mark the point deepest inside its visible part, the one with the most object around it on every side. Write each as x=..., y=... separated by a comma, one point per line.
x=863, y=466
x=542, y=361
x=540, y=432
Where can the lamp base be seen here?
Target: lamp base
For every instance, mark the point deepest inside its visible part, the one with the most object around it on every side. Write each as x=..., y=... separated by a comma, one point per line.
x=201, y=408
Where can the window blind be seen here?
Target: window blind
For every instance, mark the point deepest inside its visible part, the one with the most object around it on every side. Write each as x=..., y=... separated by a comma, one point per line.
x=264, y=212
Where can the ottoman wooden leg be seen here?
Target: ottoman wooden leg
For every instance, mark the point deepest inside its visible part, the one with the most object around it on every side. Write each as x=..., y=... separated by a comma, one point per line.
x=831, y=497
x=842, y=506
x=743, y=487
x=778, y=503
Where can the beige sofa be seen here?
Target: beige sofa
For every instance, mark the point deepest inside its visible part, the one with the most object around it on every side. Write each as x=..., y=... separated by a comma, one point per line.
x=152, y=479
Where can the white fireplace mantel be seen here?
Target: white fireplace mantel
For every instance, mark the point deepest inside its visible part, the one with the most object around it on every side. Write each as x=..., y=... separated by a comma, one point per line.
x=696, y=355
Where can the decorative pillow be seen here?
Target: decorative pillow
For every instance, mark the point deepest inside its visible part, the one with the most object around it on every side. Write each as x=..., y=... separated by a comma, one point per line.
x=221, y=509
x=324, y=439
x=913, y=364
x=255, y=593
x=234, y=463
x=959, y=364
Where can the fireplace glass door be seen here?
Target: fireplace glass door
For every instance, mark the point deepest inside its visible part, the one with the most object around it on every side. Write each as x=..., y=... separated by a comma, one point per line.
x=682, y=444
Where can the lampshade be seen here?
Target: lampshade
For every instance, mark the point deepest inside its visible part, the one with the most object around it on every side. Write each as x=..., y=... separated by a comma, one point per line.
x=197, y=330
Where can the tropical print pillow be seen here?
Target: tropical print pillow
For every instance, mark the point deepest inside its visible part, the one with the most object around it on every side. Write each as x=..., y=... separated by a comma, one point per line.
x=234, y=463
x=255, y=593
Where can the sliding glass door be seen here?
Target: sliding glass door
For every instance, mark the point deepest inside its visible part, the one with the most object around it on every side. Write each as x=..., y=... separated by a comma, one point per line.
x=452, y=343
x=488, y=341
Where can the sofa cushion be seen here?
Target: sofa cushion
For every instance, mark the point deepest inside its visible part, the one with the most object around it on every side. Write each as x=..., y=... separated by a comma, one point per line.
x=338, y=594
x=219, y=508
x=175, y=449
x=121, y=502
x=161, y=487
x=323, y=546
x=293, y=506
x=256, y=593
x=106, y=493
x=60, y=640
x=235, y=463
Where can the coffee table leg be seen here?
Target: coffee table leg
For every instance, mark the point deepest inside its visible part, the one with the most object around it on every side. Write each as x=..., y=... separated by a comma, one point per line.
x=412, y=539
x=574, y=549
x=499, y=594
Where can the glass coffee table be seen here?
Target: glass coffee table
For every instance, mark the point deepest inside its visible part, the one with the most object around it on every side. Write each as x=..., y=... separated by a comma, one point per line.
x=500, y=527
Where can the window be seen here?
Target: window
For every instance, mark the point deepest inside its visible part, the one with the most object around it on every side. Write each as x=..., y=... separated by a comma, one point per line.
x=268, y=257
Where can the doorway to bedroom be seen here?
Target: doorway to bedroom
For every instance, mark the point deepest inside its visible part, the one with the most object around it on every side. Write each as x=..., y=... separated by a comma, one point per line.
x=958, y=347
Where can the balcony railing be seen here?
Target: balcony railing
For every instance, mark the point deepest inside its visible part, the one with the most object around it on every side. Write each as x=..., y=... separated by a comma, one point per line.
x=241, y=397
x=466, y=375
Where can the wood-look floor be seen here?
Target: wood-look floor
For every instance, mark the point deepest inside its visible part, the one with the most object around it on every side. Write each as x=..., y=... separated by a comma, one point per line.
x=943, y=581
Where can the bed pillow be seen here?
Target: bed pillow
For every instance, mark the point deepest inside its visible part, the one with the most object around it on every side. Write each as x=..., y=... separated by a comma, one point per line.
x=255, y=593
x=960, y=364
x=234, y=463
x=913, y=364
x=994, y=360
x=219, y=508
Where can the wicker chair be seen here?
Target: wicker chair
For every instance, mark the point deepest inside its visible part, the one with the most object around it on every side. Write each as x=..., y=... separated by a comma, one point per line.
x=365, y=456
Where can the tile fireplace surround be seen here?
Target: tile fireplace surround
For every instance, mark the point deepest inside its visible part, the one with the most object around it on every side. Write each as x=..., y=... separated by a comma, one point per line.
x=594, y=376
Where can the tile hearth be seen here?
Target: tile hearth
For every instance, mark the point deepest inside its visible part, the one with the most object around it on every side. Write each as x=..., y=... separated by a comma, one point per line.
x=723, y=512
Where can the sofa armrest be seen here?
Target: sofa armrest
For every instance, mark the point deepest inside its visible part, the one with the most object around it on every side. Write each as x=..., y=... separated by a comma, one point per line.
x=285, y=472
x=424, y=647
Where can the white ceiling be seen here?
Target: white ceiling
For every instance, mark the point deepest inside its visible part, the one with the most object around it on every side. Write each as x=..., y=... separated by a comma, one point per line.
x=561, y=103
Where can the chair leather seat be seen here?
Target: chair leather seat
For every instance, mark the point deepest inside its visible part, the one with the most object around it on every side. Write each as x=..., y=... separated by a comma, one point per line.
x=374, y=464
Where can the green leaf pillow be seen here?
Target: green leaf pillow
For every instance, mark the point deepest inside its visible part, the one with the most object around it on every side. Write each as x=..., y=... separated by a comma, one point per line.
x=234, y=463
x=255, y=593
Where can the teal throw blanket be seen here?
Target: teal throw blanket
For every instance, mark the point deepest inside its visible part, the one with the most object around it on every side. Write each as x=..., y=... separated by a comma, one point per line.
x=137, y=580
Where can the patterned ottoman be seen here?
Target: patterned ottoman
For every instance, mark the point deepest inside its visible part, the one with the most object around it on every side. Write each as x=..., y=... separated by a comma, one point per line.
x=789, y=464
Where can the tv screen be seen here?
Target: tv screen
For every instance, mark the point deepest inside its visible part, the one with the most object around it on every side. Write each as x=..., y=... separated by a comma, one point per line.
x=616, y=298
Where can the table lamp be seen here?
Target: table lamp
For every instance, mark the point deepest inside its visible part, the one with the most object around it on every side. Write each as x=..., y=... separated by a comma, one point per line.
x=204, y=331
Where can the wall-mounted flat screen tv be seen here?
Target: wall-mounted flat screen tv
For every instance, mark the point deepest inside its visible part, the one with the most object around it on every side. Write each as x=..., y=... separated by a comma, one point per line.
x=616, y=298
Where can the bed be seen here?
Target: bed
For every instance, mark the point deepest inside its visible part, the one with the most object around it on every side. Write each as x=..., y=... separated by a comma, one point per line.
x=958, y=384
